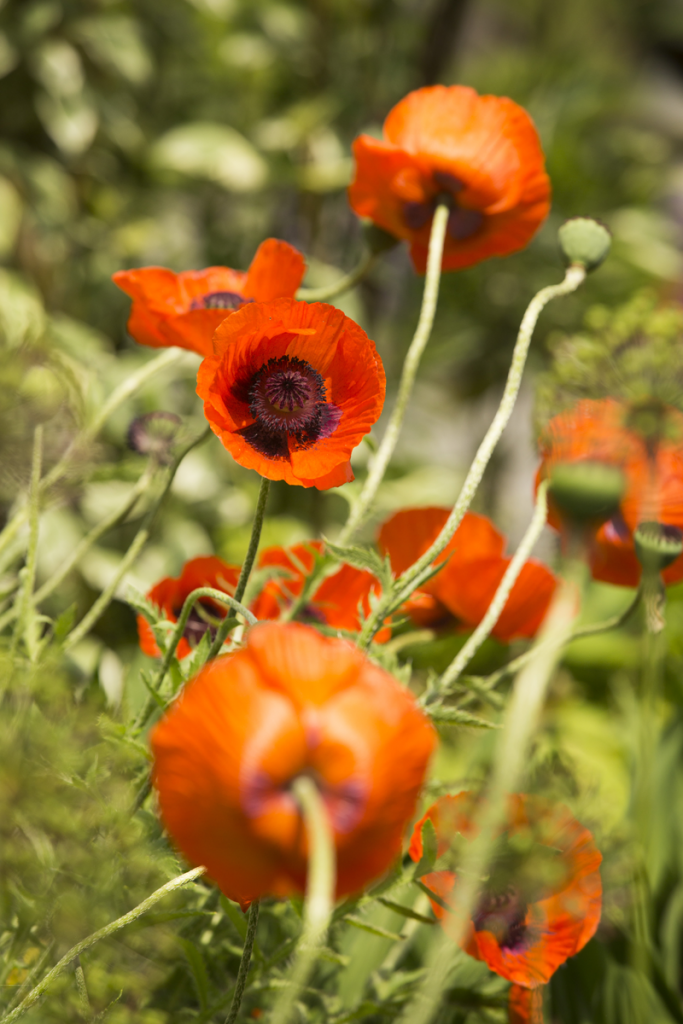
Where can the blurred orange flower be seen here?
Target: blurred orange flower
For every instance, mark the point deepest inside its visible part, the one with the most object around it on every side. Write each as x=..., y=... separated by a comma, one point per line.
x=480, y=154
x=644, y=440
x=291, y=389
x=185, y=309
x=473, y=566
x=291, y=702
x=335, y=602
x=170, y=594
x=543, y=898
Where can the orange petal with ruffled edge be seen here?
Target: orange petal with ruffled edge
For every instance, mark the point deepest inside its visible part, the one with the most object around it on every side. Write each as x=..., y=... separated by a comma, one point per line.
x=276, y=271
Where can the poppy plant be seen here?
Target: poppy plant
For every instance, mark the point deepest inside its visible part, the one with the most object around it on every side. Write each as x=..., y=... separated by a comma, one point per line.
x=338, y=601
x=185, y=309
x=542, y=899
x=291, y=389
x=473, y=564
x=446, y=144
x=290, y=703
x=645, y=441
x=170, y=594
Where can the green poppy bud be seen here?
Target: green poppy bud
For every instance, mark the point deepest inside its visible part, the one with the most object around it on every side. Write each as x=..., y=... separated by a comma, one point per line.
x=657, y=545
x=585, y=241
x=587, y=491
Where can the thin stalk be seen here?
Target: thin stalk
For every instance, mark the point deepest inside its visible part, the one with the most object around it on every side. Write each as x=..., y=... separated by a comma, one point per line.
x=344, y=284
x=488, y=683
x=240, y=984
x=411, y=578
x=141, y=538
x=103, y=933
x=410, y=367
x=190, y=601
x=320, y=885
x=247, y=565
x=85, y=544
x=521, y=721
x=26, y=623
x=89, y=433
x=493, y=613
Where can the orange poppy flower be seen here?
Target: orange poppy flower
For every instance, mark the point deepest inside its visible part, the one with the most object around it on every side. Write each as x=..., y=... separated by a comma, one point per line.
x=291, y=702
x=171, y=593
x=473, y=566
x=645, y=441
x=185, y=309
x=480, y=154
x=291, y=389
x=337, y=602
x=543, y=899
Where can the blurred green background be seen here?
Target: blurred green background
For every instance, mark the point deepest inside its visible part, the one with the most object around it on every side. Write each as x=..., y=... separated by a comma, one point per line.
x=182, y=133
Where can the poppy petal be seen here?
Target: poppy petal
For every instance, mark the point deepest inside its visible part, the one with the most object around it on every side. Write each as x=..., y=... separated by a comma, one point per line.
x=276, y=271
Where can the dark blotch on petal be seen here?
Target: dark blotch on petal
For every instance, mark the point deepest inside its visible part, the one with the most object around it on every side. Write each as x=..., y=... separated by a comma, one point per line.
x=463, y=224
x=330, y=418
x=417, y=215
x=448, y=182
x=270, y=443
x=220, y=300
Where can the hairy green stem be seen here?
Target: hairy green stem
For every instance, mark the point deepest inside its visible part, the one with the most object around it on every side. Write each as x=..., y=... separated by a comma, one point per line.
x=247, y=565
x=521, y=721
x=141, y=538
x=344, y=284
x=124, y=391
x=240, y=984
x=320, y=886
x=493, y=612
x=413, y=576
x=417, y=346
x=103, y=933
x=26, y=627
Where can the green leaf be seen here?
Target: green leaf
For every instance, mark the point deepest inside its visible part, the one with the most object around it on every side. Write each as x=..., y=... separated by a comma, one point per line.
x=204, y=149
x=198, y=968
x=374, y=929
x=454, y=716
x=430, y=846
x=142, y=606
x=432, y=895
x=198, y=659
x=398, y=908
x=64, y=623
x=235, y=916
x=363, y=558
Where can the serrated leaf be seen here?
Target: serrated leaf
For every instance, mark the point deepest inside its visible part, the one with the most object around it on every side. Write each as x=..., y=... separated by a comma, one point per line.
x=432, y=895
x=430, y=848
x=235, y=916
x=64, y=623
x=198, y=968
x=140, y=604
x=454, y=716
x=198, y=659
x=366, y=559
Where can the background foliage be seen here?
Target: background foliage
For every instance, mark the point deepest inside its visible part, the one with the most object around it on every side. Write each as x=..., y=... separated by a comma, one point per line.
x=182, y=133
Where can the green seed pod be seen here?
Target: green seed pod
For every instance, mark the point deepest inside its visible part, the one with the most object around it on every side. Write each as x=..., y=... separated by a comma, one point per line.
x=584, y=240
x=587, y=491
x=657, y=545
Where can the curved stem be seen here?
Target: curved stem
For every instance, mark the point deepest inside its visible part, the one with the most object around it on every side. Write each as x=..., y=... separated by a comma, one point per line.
x=344, y=284
x=521, y=721
x=247, y=565
x=26, y=625
x=493, y=613
x=320, y=886
x=103, y=933
x=240, y=984
x=134, y=550
x=89, y=433
x=411, y=578
x=410, y=367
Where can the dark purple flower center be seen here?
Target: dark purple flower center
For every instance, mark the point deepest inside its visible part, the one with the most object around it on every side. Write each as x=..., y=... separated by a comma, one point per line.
x=503, y=914
x=220, y=300
x=463, y=223
x=287, y=400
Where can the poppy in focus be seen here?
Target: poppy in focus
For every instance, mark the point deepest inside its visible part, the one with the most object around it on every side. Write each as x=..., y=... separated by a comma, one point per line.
x=185, y=309
x=291, y=389
x=338, y=601
x=645, y=441
x=473, y=566
x=479, y=154
x=291, y=702
x=543, y=897
x=170, y=594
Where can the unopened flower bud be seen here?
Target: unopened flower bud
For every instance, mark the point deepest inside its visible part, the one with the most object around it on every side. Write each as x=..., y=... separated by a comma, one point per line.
x=154, y=434
x=585, y=241
x=657, y=545
x=377, y=239
x=587, y=491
